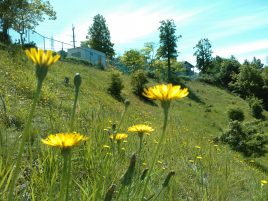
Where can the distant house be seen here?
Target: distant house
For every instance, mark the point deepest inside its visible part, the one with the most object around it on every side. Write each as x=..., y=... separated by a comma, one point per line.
x=87, y=53
x=189, y=67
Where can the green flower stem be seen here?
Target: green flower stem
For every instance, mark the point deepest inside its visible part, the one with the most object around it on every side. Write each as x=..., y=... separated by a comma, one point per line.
x=75, y=100
x=158, y=194
x=118, y=146
x=24, y=136
x=139, y=159
x=156, y=151
x=120, y=191
x=68, y=174
x=63, y=178
x=71, y=131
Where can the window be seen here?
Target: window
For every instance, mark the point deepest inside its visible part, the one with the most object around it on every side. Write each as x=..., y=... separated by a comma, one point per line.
x=77, y=54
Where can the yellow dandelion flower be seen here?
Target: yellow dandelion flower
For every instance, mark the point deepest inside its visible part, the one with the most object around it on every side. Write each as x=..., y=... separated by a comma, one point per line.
x=263, y=181
x=165, y=93
x=125, y=141
x=105, y=129
x=163, y=168
x=144, y=164
x=64, y=141
x=119, y=136
x=40, y=58
x=123, y=149
x=140, y=128
x=106, y=146
x=155, y=142
x=159, y=162
x=199, y=157
x=252, y=161
x=191, y=161
x=197, y=147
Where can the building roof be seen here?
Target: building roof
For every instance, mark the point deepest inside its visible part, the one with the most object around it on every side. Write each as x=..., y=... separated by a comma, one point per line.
x=86, y=49
x=186, y=62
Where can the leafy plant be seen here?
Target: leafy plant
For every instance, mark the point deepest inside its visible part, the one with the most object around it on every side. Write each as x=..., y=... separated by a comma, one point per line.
x=255, y=106
x=138, y=79
x=235, y=113
x=116, y=83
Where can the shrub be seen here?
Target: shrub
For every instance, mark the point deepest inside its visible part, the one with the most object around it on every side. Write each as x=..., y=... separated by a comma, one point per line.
x=185, y=78
x=156, y=75
x=116, y=83
x=138, y=79
x=79, y=61
x=235, y=113
x=245, y=138
x=29, y=45
x=255, y=106
x=100, y=65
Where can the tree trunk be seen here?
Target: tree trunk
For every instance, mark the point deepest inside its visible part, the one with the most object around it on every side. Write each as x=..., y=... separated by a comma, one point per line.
x=169, y=71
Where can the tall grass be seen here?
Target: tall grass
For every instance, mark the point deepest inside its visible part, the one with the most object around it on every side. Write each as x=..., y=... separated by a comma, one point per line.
x=217, y=174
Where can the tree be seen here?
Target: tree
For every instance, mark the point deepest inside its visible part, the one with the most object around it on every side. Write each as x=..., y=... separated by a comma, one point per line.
x=20, y=14
x=62, y=53
x=168, y=42
x=99, y=37
x=203, y=55
x=229, y=67
x=132, y=60
x=149, y=53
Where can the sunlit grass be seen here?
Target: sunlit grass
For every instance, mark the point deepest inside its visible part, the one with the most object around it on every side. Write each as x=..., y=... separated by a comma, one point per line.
x=203, y=171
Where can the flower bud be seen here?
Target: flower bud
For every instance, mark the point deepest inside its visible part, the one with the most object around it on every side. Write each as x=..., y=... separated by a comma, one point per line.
x=144, y=173
x=110, y=192
x=171, y=173
x=127, y=103
x=126, y=179
x=77, y=80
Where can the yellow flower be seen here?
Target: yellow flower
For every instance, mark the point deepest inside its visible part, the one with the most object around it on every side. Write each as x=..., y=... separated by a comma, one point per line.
x=119, y=136
x=191, y=161
x=140, y=128
x=159, y=162
x=199, y=157
x=165, y=93
x=64, y=141
x=263, y=181
x=123, y=149
x=197, y=147
x=40, y=58
x=106, y=146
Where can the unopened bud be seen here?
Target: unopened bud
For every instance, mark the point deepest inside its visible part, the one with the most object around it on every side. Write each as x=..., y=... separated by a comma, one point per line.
x=127, y=103
x=110, y=192
x=77, y=80
x=126, y=179
x=171, y=173
x=113, y=126
x=144, y=173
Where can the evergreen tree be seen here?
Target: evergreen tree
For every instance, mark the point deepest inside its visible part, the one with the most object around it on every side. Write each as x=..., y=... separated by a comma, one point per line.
x=99, y=37
x=168, y=42
x=203, y=55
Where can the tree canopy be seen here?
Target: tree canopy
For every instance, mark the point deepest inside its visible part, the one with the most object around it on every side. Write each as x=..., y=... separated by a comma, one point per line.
x=149, y=52
x=168, y=42
x=19, y=14
x=203, y=55
x=99, y=36
x=132, y=60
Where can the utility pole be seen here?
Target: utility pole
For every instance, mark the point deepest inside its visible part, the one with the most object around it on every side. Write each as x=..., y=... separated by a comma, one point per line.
x=73, y=36
x=52, y=43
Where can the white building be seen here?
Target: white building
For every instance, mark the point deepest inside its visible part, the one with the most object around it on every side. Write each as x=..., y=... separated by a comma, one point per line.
x=87, y=53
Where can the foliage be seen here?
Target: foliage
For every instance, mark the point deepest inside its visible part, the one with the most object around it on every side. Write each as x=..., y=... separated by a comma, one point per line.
x=5, y=38
x=203, y=55
x=148, y=52
x=99, y=37
x=78, y=60
x=245, y=138
x=248, y=82
x=116, y=83
x=138, y=79
x=132, y=60
x=235, y=113
x=209, y=79
x=168, y=42
x=100, y=65
x=255, y=106
x=20, y=14
x=63, y=54
x=229, y=67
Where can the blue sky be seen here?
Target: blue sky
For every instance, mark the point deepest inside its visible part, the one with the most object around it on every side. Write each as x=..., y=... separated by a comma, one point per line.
x=238, y=28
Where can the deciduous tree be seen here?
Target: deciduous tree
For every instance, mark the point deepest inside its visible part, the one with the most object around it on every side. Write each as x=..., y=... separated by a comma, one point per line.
x=203, y=55
x=132, y=60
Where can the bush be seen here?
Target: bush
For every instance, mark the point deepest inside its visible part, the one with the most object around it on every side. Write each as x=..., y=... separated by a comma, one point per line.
x=138, y=79
x=245, y=138
x=235, y=113
x=79, y=61
x=156, y=75
x=255, y=106
x=185, y=78
x=116, y=83
x=29, y=45
x=100, y=65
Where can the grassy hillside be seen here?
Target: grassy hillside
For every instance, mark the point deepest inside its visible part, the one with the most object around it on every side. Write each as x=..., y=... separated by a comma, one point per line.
x=194, y=121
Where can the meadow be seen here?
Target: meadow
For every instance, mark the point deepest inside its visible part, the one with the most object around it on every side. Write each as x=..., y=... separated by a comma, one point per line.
x=204, y=169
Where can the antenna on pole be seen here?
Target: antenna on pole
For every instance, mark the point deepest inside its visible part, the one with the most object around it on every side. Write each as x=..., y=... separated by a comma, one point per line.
x=73, y=35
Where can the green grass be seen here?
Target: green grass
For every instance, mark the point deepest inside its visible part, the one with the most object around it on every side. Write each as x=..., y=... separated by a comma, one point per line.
x=193, y=121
